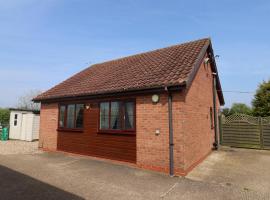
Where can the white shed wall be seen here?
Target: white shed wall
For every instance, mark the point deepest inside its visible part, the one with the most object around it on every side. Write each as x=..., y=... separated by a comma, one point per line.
x=15, y=130
x=35, y=130
x=27, y=127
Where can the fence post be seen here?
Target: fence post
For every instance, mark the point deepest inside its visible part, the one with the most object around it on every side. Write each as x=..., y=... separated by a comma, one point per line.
x=261, y=132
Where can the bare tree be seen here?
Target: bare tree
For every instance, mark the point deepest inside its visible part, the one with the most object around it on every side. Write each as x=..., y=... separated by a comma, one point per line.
x=25, y=101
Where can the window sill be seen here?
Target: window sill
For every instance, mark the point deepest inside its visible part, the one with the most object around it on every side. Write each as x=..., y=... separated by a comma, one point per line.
x=70, y=130
x=116, y=132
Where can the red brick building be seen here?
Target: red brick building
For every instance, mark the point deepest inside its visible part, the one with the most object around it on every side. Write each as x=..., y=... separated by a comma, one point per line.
x=156, y=109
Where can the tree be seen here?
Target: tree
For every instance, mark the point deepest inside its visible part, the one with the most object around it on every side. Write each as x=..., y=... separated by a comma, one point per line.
x=25, y=101
x=261, y=101
x=4, y=116
x=240, y=108
x=237, y=108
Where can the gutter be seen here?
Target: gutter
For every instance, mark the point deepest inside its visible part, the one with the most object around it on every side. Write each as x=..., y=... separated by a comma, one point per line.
x=110, y=94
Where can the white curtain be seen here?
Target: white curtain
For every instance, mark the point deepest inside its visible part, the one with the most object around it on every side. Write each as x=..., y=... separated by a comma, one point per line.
x=70, y=116
x=115, y=115
x=104, y=115
x=129, y=115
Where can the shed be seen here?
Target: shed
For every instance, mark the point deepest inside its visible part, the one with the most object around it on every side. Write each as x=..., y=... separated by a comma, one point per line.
x=24, y=124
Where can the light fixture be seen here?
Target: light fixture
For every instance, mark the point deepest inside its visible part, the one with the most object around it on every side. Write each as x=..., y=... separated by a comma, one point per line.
x=206, y=60
x=155, y=98
x=87, y=106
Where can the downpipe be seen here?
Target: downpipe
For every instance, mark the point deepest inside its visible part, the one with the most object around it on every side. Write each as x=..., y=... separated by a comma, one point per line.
x=215, y=144
x=171, y=144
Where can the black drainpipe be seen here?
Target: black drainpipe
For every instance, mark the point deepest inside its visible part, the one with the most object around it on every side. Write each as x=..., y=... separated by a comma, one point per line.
x=170, y=132
x=215, y=111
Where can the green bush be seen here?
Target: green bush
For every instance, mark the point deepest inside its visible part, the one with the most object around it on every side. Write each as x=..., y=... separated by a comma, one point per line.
x=4, y=116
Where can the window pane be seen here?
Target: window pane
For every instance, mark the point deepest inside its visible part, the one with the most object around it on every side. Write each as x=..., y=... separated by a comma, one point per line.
x=70, y=116
x=104, y=115
x=129, y=115
x=15, y=119
x=79, y=115
x=115, y=115
x=62, y=116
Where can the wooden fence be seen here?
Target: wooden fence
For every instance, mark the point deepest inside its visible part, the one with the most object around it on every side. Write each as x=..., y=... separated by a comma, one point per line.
x=246, y=131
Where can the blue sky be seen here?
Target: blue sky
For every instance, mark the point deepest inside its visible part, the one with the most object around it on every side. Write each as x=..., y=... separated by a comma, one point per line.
x=44, y=42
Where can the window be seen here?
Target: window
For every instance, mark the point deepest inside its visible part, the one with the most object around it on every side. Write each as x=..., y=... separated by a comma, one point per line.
x=15, y=119
x=71, y=116
x=117, y=116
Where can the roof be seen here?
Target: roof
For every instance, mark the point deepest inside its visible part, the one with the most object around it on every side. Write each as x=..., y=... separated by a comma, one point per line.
x=24, y=110
x=170, y=66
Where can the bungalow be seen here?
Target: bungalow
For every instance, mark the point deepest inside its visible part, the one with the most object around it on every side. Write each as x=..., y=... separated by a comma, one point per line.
x=157, y=109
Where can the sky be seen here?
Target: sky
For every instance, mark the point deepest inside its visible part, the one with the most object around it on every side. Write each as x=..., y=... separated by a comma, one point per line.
x=44, y=42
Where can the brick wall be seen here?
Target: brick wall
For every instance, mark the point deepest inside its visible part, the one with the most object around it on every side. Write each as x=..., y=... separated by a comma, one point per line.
x=48, y=126
x=193, y=135
x=152, y=149
x=195, y=122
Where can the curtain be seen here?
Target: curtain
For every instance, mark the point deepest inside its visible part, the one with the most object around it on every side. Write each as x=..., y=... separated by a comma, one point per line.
x=79, y=115
x=104, y=115
x=70, y=116
x=62, y=116
x=115, y=115
x=129, y=115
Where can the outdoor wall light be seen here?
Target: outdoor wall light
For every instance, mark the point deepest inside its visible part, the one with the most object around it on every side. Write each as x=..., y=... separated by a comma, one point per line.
x=155, y=98
x=87, y=106
x=157, y=132
x=206, y=60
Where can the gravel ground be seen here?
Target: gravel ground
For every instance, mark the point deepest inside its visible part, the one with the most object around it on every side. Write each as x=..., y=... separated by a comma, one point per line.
x=18, y=147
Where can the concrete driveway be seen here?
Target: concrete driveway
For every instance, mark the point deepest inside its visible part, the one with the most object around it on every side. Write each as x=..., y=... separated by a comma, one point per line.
x=235, y=167
x=224, y=175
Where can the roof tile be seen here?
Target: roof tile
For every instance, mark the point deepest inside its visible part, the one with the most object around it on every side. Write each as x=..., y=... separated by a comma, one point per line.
x=162, y=67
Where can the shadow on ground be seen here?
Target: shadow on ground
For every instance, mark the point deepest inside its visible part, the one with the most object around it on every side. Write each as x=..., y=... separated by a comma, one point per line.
x=14, y=185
